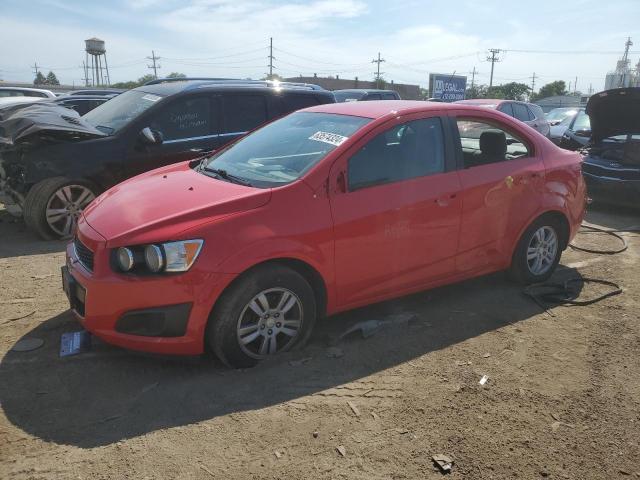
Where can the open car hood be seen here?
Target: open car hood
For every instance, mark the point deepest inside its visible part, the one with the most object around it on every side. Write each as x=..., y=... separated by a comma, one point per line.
x=614, y=112
x=42, y=122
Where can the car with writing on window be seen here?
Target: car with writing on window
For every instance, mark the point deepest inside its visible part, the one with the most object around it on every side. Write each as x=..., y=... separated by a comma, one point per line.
x=528, y=113
x=53, y=163
x=327, y=209
x=365, y=94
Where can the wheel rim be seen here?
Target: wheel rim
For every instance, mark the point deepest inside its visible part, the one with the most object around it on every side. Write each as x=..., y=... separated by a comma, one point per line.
x=65, y=206
x=270, y=323
x=542, y=250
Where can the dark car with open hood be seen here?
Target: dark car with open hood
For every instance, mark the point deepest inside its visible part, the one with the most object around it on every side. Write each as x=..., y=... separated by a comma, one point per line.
x=611, y=166
x=53, y=162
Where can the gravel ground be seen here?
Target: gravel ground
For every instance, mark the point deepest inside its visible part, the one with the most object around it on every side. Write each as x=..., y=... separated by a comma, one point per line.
x=562, y=398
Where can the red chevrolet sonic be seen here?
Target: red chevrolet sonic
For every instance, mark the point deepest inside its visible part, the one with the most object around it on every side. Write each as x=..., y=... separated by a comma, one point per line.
x=327, y=209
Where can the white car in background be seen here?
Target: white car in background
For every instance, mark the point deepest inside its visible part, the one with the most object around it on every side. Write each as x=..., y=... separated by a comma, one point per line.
x=25, y=92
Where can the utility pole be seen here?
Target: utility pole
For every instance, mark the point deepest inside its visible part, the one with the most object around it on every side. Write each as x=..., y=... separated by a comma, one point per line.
x=155, y=67
x=473, y=77
x=377, y=74
x=35, y=68
x=575, y=86
x=271, y=58
x=493, y=59
x=533, y=82
x=86, y=74
x=590, y=89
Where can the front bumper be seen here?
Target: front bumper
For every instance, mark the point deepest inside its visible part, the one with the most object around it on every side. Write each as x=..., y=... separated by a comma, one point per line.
x=111, y=299
x=613, y=190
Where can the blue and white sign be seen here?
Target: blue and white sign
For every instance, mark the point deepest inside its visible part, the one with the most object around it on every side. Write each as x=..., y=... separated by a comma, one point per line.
x=447, y=88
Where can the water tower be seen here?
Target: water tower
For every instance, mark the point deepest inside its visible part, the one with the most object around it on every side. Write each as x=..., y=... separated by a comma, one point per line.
x=94, y=47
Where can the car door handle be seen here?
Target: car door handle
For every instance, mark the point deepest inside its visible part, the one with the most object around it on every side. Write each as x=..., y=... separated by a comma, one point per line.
x=445, y=200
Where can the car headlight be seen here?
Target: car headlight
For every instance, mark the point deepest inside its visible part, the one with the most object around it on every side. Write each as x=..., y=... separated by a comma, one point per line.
x=125, y=259
x=158, y=258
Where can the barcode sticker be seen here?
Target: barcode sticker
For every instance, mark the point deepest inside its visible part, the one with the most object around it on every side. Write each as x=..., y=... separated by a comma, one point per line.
x=330, y=138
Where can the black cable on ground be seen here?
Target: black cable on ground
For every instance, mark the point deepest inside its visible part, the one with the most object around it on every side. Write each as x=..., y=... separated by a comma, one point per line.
x=613, y=233
x=562, y=293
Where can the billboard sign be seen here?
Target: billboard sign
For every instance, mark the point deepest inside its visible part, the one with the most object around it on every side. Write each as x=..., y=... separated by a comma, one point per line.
x=447, y=88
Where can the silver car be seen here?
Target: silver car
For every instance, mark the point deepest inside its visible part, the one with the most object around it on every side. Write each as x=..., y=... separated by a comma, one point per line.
x=528, y=113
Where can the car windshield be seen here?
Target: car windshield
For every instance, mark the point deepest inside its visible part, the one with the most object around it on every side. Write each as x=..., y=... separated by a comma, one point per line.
x=282, y=151
x=582, y=122
x=114, y=114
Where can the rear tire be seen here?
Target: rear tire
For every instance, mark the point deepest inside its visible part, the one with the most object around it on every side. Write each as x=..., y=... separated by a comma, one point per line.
x=52, y=206
x=538, y=252
x=269, y=310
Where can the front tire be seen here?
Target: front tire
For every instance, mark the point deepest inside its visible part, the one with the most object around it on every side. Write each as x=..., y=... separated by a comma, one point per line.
x=538, y=252
x=270, y=310
x=52, y=206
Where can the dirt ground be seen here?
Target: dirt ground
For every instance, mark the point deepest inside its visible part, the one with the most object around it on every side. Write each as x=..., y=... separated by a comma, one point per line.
x=562, y=398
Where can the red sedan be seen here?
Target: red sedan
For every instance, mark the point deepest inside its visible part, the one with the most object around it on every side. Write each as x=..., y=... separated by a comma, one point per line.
x=327, y=209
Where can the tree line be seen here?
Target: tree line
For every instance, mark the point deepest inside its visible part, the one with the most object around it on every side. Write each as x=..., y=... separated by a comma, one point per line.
x=519, y=91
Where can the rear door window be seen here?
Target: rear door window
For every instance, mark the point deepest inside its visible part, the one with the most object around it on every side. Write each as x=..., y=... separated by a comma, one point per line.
x=373, y=96
x=244, y=112
x=521, y=112
x=184, y=118
x=506, y=108
x=388, y=96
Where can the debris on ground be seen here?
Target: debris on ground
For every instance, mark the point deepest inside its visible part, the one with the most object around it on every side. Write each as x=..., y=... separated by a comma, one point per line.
x=335, y=352
x=17, y=318
x=278, y=454
x=354, y=408
x=297, y=363
x=27, y=344
x=367, y=328
x=443, y=462
x=486, y=355
x=316, y=434
x=483, y=380
x=375, y=416
x=341, y=450
x=73, y=343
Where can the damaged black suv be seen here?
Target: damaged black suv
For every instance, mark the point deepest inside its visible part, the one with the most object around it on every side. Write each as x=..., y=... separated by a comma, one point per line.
x=53, y=163
x=611, y=166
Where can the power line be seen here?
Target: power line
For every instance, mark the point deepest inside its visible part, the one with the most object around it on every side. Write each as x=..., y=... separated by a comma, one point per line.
x=378, y=61
x=271, y=58
x=493, y=59
x=155, y=67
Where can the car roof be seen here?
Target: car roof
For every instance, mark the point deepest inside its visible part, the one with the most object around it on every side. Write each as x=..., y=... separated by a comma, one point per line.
x=27, y=89
x=380, y=108
x=364, y=90
x=174, y=87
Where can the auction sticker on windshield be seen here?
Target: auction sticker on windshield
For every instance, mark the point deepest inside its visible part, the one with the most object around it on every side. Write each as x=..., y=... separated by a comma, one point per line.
x=330, y=138
x=151, y=97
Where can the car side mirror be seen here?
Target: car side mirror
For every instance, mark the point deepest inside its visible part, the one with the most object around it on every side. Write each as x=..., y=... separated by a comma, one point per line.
x=583, y=133
x=150, y=137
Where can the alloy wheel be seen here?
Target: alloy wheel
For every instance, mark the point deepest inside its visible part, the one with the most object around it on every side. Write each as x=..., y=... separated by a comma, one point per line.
x=65, y=206
x=270, y=323
x=542, y=250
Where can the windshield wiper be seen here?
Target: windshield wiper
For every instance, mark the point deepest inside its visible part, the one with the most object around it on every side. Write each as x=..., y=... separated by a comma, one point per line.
x=226, y=176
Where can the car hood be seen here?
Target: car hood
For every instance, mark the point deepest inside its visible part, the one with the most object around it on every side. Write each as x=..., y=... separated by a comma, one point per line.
x=159, y=204
x=614, y=112
x=41, y=123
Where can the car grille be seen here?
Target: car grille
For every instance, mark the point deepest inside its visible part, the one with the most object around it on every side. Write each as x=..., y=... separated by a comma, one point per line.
x=85, y=256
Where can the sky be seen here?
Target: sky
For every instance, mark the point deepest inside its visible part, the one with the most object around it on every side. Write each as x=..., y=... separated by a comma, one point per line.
x=230, y=38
